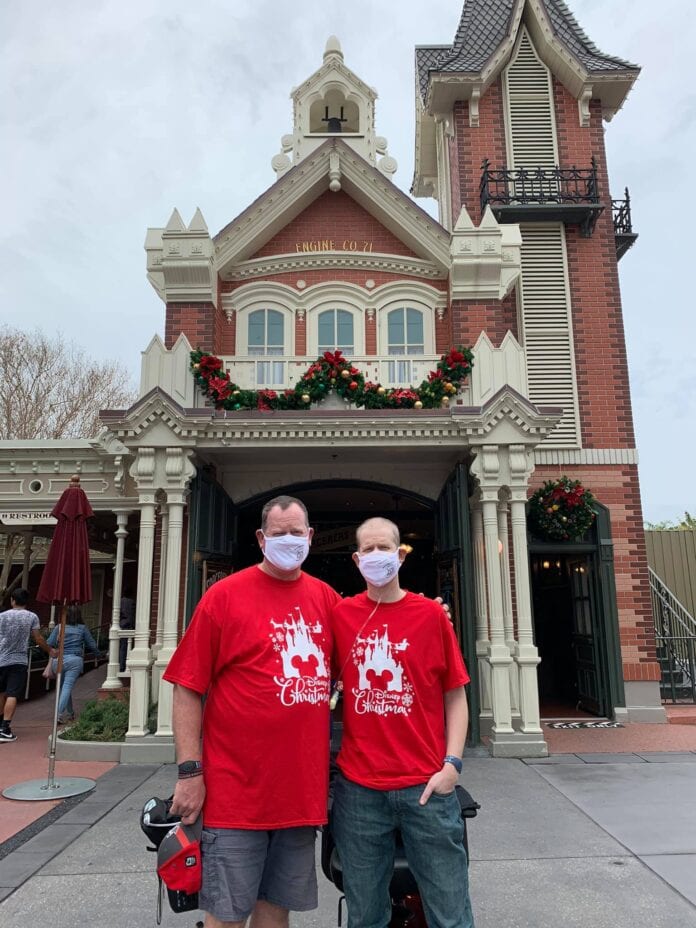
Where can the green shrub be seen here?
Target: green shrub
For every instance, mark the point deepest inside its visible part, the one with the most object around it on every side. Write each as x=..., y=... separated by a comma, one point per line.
x=100, y=720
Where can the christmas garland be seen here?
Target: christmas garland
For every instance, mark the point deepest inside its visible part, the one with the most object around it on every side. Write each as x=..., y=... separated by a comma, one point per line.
x=562, y=510
x=333, y=372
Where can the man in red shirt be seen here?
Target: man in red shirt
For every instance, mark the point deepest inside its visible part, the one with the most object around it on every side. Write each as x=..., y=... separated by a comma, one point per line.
x=259, y=648
x=405, y=719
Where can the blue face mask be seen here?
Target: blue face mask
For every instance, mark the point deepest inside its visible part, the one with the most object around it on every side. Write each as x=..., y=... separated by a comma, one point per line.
x=286, y=552
x=380, y=567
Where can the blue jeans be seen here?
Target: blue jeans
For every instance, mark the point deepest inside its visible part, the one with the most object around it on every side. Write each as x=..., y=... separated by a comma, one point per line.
x=72, y=668
x=364, y=822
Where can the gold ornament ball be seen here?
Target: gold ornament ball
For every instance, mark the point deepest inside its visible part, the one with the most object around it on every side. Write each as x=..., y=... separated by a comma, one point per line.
x=418, y=405
x=444, y=401
x=235, y=393
x=196, y=367
x=381, y=391
x=345, y=374
x=305, y=397
x=449, y=387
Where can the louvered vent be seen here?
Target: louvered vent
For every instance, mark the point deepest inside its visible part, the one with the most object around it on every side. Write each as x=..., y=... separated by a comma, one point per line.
x=531, y=131
x=547, y=329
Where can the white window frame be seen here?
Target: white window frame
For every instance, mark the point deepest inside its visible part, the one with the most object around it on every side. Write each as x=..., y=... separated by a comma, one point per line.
x=406, y=303
x=358, y=316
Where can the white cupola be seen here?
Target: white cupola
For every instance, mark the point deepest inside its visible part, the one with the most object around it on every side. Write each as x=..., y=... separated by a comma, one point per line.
x=333, y=102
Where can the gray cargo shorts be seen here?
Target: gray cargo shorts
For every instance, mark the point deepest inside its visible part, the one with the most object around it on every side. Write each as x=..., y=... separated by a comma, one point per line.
x=241, y=866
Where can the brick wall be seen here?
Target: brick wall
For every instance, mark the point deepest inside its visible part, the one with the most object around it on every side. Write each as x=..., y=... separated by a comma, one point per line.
x=617, y=488
x=469, y=319
x=471, y=146
x=197, y=321
x=598, y=331
x=334, y=217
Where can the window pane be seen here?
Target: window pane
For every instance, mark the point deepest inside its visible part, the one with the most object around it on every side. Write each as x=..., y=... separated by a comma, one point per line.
x=345, y=326
x=275, y=327
x=257, y=328
x=395, y=327
x=326, y=330
x=415, y=328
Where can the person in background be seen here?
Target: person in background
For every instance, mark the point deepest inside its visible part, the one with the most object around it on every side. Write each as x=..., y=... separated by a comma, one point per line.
x=17, y=626
x=405, y=718
x=126, y=622
x=78, y=639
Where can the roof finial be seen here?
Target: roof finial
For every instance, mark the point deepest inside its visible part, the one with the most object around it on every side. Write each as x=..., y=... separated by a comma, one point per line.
x=333, y=47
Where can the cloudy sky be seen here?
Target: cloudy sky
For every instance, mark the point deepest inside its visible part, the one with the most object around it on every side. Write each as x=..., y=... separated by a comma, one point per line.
x=113, y=112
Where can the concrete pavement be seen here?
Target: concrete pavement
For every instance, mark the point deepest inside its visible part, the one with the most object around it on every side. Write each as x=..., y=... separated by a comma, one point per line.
x=568, y=842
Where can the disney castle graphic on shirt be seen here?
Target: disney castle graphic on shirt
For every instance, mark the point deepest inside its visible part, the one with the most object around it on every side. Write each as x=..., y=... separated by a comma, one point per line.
x=304, y=677
x=383, y=687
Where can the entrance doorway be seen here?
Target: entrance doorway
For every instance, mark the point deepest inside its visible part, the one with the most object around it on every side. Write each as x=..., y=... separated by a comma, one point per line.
x=567, y=633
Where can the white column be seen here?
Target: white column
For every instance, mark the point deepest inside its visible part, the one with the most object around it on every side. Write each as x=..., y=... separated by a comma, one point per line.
x=527, y=653
x=26, y=565
x=112, y=681
x=499, y=652
x=164, y=533
x=139, y=660
x=482, y=640
x=170, y=611
x=508, y=623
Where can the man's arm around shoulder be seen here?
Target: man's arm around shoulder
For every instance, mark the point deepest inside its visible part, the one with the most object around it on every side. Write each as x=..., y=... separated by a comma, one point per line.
x=187, y=716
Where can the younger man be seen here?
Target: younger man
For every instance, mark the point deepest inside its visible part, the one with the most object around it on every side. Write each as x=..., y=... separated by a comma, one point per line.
x=17, y=625
x=405, y=718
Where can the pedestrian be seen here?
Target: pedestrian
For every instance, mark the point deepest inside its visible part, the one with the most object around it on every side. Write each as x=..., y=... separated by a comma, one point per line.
x=405, y=718
x=126, y=622
x=259, y=648
x=78, y=639
x=17, y=626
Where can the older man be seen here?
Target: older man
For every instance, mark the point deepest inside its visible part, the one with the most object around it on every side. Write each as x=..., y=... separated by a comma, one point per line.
x=404, y=726
x=259, y=648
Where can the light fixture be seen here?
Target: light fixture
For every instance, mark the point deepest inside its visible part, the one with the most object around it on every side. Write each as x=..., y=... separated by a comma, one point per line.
x=546, y=564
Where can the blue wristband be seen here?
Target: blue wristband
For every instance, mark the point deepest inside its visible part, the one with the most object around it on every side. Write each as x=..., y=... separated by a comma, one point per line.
x=455, y=761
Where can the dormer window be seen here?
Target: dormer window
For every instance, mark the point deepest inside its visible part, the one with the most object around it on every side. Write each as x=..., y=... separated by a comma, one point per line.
x=334, y=114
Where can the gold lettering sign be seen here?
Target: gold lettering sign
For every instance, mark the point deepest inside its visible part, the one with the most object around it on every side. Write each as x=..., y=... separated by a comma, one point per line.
x=326, y=244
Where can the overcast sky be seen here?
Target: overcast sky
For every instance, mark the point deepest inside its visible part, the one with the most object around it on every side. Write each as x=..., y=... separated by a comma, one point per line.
x=112, y=112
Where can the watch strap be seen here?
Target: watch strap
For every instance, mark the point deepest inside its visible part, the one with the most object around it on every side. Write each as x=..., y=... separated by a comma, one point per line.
x=455, y=761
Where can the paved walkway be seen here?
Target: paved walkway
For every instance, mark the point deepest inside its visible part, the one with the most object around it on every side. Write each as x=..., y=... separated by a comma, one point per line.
x=26, y=758
x=601, y=833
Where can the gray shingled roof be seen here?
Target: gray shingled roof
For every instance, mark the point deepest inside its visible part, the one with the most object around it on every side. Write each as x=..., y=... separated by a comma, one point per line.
x=483, y=27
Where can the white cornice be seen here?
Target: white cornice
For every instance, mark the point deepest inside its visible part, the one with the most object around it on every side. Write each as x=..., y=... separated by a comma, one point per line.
x=306, y=261
x=507, y=418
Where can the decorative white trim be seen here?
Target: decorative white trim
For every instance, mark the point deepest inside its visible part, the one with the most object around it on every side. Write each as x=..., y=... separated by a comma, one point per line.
x=562, y=456
x=584, y=106
x=241, y=239
x=324, y=260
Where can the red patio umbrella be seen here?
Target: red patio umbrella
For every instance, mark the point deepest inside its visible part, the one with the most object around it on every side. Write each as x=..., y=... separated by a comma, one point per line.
x=66, y=581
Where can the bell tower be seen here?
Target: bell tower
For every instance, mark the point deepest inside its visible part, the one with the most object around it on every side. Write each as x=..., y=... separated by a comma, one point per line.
x=333, y=102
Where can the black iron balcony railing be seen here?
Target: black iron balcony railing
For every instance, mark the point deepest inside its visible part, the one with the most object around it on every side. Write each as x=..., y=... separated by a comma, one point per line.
x=527, y=194
x=623, y=226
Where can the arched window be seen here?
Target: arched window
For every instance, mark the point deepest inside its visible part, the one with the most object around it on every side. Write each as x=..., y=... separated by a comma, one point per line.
x=405, y=336
x=266, y=336
x=336, y=331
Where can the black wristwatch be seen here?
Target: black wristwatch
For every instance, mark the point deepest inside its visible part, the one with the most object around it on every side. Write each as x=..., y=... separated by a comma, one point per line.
x=455, y=761
x=190, y=768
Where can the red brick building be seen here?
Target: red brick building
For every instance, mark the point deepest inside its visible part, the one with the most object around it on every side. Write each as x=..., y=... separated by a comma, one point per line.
x=522, y=266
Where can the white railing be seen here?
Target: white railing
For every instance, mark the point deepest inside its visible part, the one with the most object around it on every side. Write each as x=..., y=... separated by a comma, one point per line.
x=272, y=373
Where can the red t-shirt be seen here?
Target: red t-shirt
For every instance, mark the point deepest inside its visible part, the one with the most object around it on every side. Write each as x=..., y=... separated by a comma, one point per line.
x=395, y=668
x=260, y=648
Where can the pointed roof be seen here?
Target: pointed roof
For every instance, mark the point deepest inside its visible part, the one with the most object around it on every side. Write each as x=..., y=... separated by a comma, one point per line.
x=242, y=238
x=485, y=24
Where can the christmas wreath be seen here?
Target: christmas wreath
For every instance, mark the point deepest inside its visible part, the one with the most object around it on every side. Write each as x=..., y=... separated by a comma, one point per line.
x=333, y=372
x=562, y=510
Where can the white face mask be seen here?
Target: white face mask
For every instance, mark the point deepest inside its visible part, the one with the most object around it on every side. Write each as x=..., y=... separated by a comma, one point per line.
x=380, y=567
x=286, y=552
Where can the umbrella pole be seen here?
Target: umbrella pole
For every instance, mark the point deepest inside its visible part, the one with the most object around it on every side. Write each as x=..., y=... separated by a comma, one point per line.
x=59, y=681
